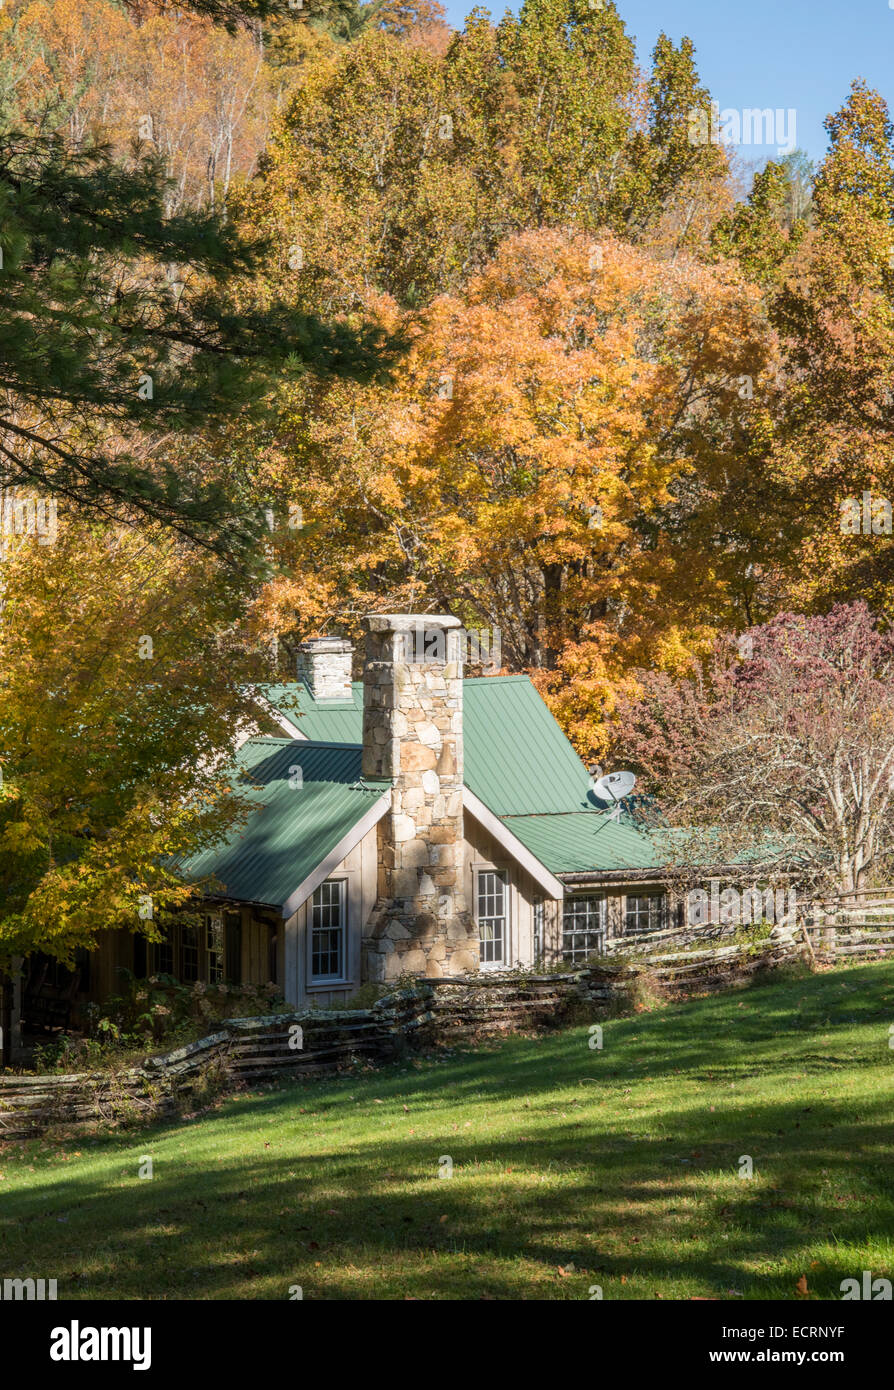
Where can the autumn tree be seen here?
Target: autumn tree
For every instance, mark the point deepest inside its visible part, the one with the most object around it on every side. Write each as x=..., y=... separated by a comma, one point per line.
x=175, y=86
x=125, y=686
x=395, y=170
x=836, y=320
x=524, y=466
x=820, y=435
x=756, y=230
x=800, y=172
x=782, y=740
x=422, y=23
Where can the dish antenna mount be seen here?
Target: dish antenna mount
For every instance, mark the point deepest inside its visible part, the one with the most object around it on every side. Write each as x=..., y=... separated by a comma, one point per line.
x=613, y=787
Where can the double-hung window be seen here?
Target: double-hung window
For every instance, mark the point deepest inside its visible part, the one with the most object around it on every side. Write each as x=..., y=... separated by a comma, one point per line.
x=189, y=954
x=164, y=953
x=493, y=916
x=583, y=928
x=328, y=931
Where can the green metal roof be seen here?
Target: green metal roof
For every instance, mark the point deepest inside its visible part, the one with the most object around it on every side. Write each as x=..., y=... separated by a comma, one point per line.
x=517, y=760
x=294, y=827
x=595, y=842
x=584, y=841
x=323, y=721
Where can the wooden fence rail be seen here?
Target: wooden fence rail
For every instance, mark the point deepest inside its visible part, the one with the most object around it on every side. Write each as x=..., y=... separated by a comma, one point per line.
x=855, y=924
x=448, y=1010
x=309, y=1042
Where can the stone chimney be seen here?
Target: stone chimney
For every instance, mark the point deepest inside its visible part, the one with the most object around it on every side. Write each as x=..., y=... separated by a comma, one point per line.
x=324, y=663
x=413, y=734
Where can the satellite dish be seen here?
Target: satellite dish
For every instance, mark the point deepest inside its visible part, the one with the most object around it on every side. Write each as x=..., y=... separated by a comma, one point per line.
x=614, y=786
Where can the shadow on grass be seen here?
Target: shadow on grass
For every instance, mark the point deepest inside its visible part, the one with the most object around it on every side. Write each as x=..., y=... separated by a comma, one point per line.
x=621, y=1162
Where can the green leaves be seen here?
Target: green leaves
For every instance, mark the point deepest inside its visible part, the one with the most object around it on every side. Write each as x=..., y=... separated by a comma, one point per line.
x=120, y=326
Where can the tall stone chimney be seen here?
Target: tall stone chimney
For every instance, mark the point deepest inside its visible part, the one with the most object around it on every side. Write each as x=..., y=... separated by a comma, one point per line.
x=324, y=663
x=413, y=734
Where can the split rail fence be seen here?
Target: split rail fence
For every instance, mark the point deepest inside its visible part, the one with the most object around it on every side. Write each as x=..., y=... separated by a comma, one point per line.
x=856, y=924
x=437, y=1012
x=433, y=1013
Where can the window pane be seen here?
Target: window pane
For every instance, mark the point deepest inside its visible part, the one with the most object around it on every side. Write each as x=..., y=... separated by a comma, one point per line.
x=538, y=928
x=583, y=928
x=492, y=917
x=327, y=959
x=214, y=945
x=233, y=941
x=189, y=953
x=644, y=912
x=164, y=953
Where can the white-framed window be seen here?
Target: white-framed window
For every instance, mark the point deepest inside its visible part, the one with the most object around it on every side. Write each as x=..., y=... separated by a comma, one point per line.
x=214, y=949
x=493, y=916
x=539, y=919
x=328, y=931
x=583, y=927
x=644, y=912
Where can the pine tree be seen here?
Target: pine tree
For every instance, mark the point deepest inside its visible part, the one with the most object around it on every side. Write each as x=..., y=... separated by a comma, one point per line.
x=121, y=326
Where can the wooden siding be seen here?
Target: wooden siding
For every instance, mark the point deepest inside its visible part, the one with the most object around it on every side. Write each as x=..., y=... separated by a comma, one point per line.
x=484, y=852
x=359, y=869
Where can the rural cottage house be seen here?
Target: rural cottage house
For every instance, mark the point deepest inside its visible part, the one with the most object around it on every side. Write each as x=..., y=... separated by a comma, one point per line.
x=414, y=822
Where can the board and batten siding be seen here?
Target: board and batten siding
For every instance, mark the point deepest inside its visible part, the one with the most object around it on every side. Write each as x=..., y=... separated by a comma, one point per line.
x=484, y=852
x=256, y=952
x=360, y=870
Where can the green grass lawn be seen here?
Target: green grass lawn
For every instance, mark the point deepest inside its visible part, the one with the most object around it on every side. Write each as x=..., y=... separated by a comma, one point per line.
x=571, y=1167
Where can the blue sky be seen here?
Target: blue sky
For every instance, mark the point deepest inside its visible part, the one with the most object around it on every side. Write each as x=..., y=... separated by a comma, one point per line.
x=788, y=54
